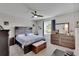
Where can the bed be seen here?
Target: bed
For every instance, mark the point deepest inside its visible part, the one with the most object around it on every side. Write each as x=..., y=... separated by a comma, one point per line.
x=25, y=38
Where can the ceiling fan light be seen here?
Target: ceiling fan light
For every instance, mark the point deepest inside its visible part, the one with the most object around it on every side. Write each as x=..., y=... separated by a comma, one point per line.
x=35, y=16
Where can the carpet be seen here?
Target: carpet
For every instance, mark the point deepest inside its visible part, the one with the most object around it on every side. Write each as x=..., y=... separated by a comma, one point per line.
x=58, y=52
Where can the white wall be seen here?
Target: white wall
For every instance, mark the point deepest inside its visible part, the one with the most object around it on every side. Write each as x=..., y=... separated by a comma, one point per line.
x=72, y=18
x=76, y=42
x=40, y=27
x=14, y=21
x=20, y=22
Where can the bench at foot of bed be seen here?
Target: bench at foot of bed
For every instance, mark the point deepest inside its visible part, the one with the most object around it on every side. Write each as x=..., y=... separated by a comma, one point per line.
x=26, y=48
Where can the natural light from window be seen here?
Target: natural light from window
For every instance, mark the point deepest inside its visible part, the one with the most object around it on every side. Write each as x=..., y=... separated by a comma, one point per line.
x=47, y=27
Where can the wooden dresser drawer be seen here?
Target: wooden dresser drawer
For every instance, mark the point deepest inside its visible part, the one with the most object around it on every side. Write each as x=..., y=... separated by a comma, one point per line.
x=68, y=45
x=54, y=39
x=67, y=37
x=55, y=42
x=55, y=35
x=67, y=40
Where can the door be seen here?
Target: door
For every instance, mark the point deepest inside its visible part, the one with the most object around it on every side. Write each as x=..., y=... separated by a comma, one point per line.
x=4, y=49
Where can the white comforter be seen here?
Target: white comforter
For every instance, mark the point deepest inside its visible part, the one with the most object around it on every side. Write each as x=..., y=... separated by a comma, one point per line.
x=26, y=40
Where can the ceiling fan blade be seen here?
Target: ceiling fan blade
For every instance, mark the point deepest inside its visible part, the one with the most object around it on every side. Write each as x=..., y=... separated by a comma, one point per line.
x=33, y=13
x=40, y=15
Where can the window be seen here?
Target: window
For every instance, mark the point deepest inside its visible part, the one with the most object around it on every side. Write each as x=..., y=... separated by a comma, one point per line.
x=47, y=27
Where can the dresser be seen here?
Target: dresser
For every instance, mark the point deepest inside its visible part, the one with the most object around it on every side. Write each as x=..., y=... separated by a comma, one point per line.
x=55, y=39
x=4, y=48
x=63, y=40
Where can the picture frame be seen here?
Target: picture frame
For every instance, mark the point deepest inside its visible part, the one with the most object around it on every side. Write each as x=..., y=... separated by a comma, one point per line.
x=6, y=23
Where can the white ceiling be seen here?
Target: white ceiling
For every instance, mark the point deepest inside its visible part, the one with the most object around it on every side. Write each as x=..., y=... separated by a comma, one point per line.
x=46, y=9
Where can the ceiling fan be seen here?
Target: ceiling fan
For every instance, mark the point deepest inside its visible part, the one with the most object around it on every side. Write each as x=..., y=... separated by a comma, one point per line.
x=34, y=11
x=35, y=15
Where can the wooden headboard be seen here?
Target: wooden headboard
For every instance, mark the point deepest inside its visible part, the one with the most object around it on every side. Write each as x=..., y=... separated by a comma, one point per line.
x=22, y=30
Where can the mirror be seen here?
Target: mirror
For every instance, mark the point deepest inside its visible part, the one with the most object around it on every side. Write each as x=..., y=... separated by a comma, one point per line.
x=62, y=28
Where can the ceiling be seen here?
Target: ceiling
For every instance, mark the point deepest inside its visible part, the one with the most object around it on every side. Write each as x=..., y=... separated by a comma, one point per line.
x=23, y=10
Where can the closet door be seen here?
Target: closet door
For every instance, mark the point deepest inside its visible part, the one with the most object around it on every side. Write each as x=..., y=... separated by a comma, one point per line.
x=4, y=49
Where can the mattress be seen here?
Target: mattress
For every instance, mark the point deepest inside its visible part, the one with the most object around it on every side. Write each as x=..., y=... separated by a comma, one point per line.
x=29, y=39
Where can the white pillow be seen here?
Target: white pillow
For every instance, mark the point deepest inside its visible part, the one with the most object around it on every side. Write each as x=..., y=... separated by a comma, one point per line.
x=30, y=34
x=21, y=35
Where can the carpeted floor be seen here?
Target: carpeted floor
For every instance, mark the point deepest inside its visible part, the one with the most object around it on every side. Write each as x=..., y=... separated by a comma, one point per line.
x=15, y=50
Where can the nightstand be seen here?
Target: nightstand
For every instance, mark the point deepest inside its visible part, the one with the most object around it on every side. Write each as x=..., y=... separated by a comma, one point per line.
x=12, y=41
